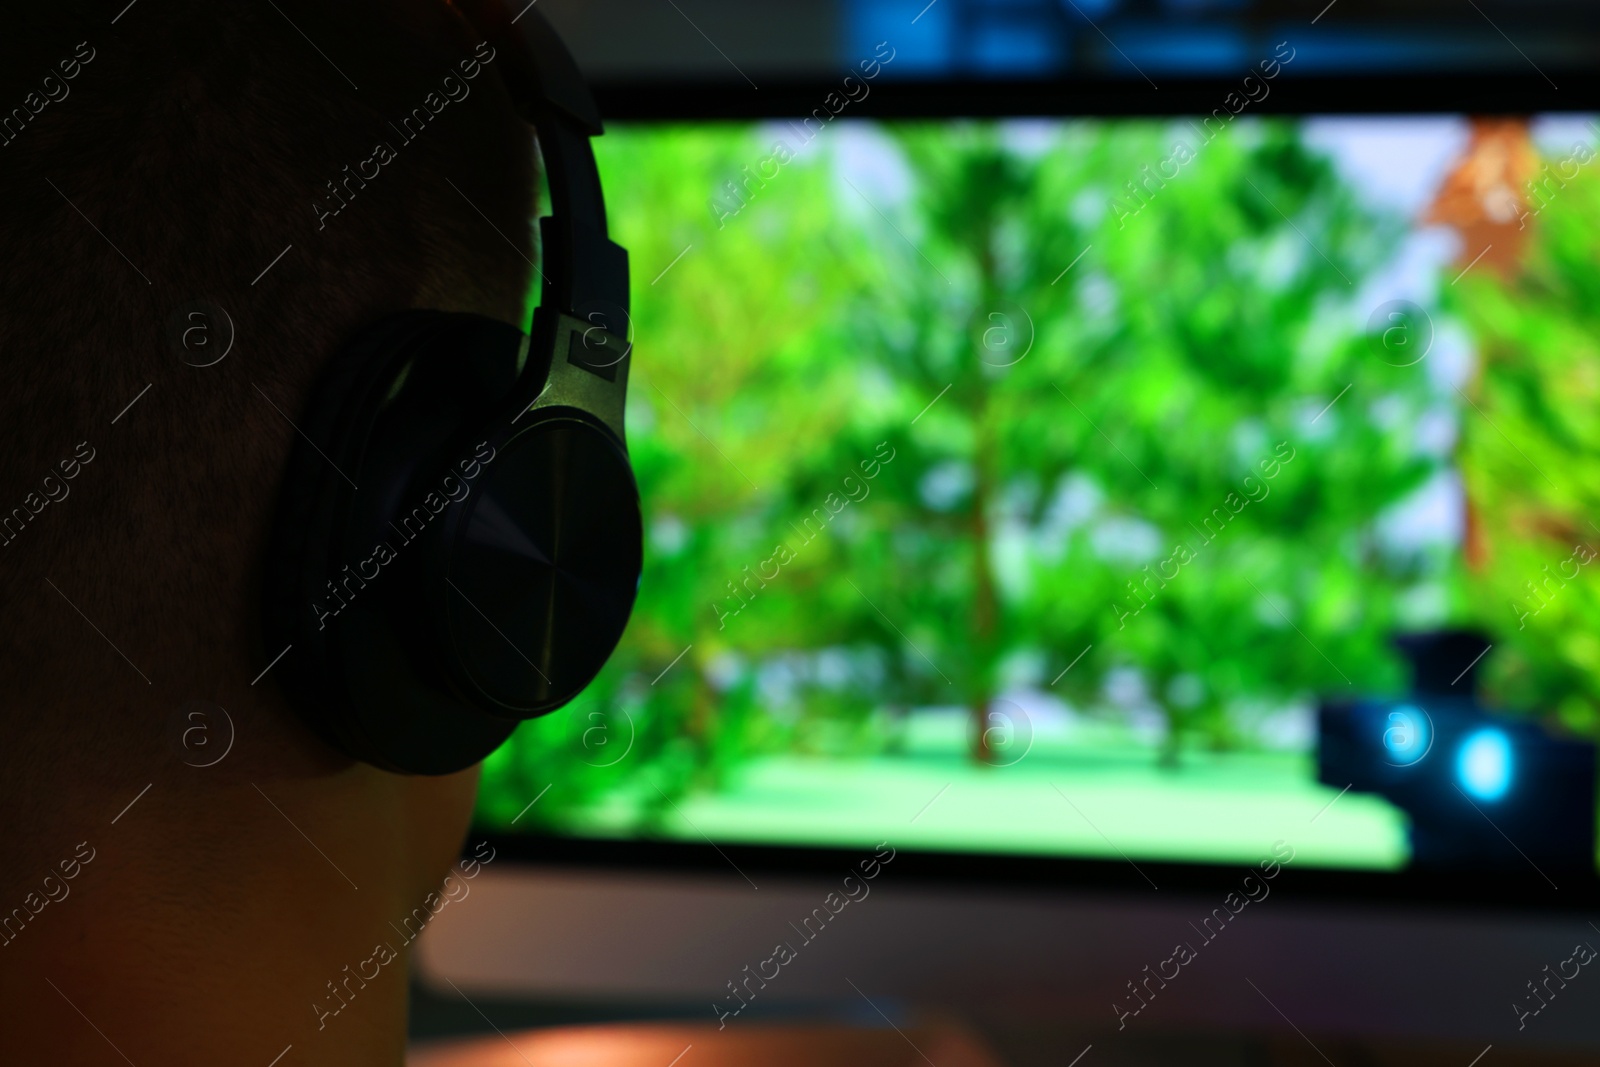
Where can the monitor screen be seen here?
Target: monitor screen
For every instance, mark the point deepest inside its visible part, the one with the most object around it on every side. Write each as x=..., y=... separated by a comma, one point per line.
x=1049, y=488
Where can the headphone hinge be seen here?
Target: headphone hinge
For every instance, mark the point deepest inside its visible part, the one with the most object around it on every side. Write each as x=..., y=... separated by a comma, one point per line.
x=588, y=367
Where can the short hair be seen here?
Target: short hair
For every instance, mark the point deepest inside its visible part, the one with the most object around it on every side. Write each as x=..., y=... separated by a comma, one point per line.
x=188, y=151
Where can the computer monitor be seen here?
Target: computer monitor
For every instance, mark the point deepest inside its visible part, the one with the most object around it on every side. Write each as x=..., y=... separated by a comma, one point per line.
x=1040, y=515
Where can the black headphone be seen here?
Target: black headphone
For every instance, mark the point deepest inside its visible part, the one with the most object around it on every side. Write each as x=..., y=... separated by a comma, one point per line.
x=458, y=539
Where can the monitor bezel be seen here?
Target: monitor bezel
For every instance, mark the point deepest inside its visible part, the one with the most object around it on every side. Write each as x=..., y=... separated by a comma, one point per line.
x=1460, y=93
x=1518, y=889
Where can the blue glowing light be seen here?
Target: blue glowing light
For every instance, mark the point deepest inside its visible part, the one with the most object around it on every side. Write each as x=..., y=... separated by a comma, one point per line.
x=1484, y=764
x=1409, y=735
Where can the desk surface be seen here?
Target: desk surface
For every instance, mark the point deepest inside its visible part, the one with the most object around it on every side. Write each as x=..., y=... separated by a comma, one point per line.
x=943, y=1044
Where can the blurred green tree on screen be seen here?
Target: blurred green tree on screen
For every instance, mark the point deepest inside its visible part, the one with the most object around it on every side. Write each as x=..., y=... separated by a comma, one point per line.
x=1530, y=446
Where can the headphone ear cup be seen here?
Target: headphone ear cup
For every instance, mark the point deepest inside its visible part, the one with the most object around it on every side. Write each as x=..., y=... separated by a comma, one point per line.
x=389, y=410
x=300, y=533
x=542, y=566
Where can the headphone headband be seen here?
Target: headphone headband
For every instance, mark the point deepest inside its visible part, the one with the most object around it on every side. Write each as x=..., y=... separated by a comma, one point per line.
x=585, y=274
x=540, y=72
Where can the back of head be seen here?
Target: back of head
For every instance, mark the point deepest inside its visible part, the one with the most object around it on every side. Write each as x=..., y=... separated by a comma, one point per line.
x=177, y=181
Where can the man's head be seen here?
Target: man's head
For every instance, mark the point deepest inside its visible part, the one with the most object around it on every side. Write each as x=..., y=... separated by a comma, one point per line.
x=173, y=178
